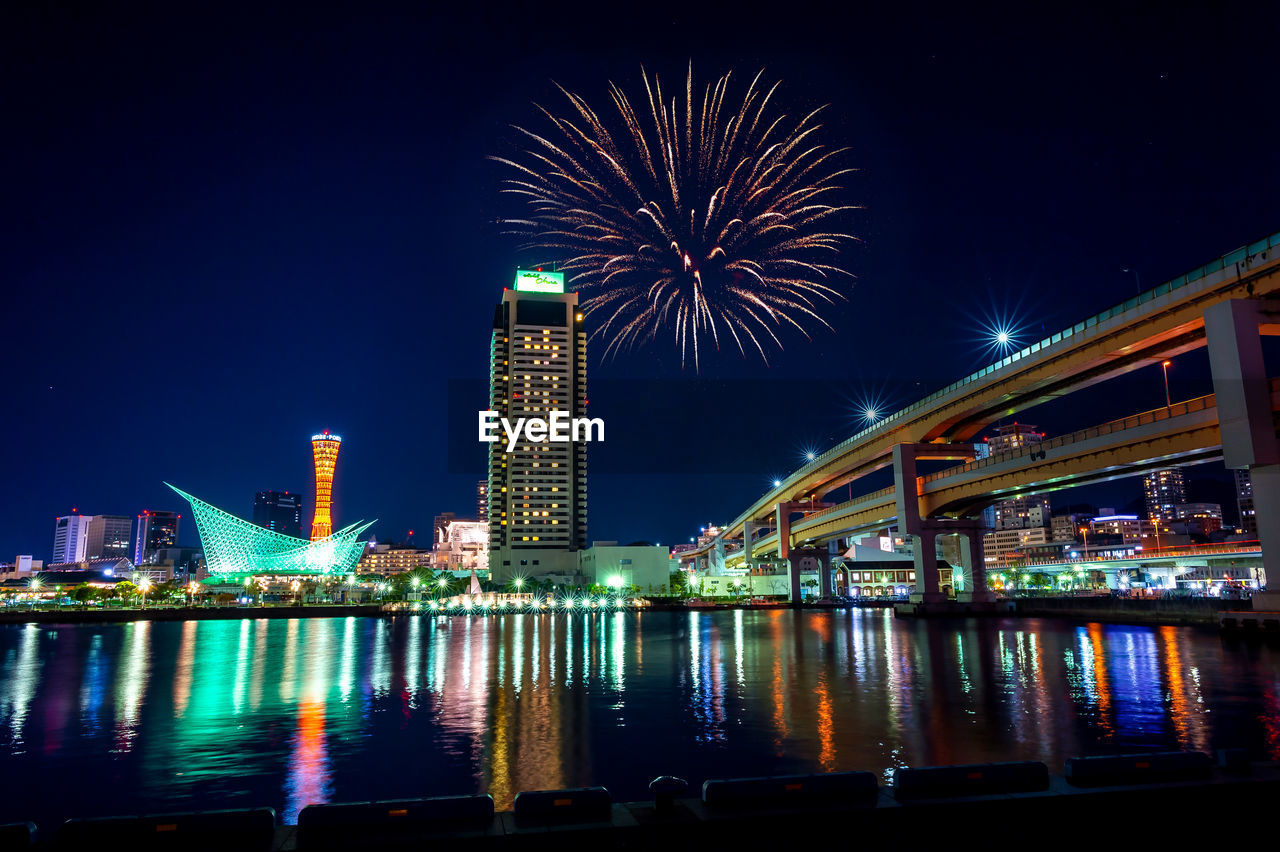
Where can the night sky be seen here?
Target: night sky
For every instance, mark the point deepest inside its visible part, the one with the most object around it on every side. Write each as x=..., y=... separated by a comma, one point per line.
x=226, y=230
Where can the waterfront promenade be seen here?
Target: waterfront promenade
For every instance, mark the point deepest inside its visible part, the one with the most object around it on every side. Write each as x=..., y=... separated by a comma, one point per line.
x=1104, y=608
x=116, y=615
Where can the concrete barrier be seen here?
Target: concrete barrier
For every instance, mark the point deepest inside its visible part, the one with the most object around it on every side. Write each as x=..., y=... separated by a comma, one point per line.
x=750, y=812
x=577, y=805
x=251, y=829
x=788, y=791
x=974, y=779
x=18, y=835
x=354, y=824
x=1139, y=768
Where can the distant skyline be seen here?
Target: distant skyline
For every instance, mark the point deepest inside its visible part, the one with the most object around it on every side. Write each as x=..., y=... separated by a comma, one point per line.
x=225, y=233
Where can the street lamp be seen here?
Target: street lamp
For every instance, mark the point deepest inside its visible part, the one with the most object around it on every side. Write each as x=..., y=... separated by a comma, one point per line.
x=144, y=585
x=1165, y=365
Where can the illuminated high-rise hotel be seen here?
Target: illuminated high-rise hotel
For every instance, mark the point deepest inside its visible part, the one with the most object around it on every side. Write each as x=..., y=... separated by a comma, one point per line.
x=324, y=447
x=1164, y=490
x=537, y=493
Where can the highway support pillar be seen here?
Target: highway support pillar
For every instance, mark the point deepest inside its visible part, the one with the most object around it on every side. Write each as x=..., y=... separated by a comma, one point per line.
x=820, y=555
x=1243, y=395
x=976, y=590
x=748, y=538
x=924, y=551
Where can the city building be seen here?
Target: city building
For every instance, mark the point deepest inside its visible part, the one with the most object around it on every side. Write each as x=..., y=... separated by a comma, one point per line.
x=235, y=548
x=1129, y=529
x=324, y=449
x=1164, y=490
x=109, y=537
x=1007, y=548
x=70, y=538
x=604, y=563
x=1019, y=512
x=1066, y=528
x=538, y=492
x=1012, y=437
x=156, y=530
x=1022, y=513
x=1197, y=518
x=440, y=526
x=482, y=500
x=90, y=571
x=22, y=566
x=708, y=534
x=1052, y=551
x=183, y=563
x=464, y=546
x=1244, y=503
x=280, y=511
x=387, y=559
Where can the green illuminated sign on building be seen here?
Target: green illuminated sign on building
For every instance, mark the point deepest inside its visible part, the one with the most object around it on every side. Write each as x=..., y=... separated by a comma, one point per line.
x=530, y=281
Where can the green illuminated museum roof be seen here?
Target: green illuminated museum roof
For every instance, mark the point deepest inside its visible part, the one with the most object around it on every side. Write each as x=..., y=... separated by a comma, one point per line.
x=234, y=547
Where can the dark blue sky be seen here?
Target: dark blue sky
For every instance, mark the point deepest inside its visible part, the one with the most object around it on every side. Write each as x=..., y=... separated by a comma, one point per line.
x=225, y=229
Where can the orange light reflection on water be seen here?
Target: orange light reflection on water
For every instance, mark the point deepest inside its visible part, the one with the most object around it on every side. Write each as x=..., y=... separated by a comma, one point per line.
x=1101, y=681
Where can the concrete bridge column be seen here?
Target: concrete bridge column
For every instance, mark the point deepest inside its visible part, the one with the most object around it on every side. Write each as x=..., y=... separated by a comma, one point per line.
x=818, y=555
x=782, y=523
x=924, y=552
x=717, y=556
x=976, y=562
x=793, y=573
x=748, y=535
x=1266, y=504
x=1243, y=396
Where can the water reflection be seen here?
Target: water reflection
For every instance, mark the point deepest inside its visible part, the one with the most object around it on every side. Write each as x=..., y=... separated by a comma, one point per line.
x=286, y=713
x=131, y=685
x=15, y=701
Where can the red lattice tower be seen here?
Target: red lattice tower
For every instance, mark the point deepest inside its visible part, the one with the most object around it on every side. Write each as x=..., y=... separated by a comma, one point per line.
x=324, y=447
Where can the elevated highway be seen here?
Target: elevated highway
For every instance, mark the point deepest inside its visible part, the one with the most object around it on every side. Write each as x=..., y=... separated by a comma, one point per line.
x=1183, y=433
x=1162, y=322
x=1225, y=305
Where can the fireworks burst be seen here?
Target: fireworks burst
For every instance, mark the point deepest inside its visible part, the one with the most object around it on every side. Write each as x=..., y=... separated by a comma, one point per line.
x=699, y=215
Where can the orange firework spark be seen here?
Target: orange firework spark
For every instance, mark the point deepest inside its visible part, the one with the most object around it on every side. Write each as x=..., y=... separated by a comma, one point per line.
x=701, y=218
